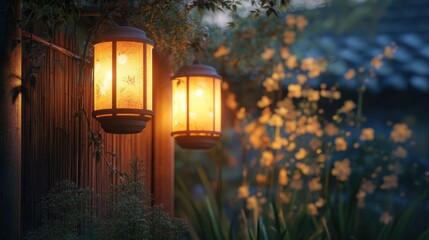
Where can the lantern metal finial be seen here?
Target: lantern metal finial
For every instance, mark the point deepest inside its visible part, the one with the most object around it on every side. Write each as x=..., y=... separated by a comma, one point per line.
x=123, y=80
x=196, y=106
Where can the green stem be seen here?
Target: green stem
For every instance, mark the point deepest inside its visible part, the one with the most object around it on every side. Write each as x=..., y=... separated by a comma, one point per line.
x=219, y=195
x=341, y=211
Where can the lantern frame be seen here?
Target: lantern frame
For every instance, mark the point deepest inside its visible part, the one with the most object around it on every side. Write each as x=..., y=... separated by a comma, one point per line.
x=197, y=139
x=125, y=120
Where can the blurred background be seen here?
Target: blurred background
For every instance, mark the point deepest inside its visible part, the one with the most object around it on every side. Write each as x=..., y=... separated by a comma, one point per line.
x=328, y=101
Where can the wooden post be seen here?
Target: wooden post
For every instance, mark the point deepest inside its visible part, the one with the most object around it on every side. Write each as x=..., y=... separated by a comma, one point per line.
x=163, y=144
x=10, y=120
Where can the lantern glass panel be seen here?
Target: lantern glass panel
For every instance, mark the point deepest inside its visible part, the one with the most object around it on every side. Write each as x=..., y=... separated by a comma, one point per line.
x=217, y=105
x=149, y=76
x=201, y=103
x=103, y=75
x=179, y=104
x=129, y=74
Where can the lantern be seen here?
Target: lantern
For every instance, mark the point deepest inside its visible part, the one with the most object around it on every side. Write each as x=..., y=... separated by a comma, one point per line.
x=196, y=108
x=123, y=80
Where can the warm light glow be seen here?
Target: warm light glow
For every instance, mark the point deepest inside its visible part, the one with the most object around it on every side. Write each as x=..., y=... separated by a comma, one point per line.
x=149, y=76
x=129, y=75
x=123, y=80
x=201, y=103
x=129, y=78
x=122, y=59
x=217, y=107
x=103, y=76
x=204, y=105
x=179, y=104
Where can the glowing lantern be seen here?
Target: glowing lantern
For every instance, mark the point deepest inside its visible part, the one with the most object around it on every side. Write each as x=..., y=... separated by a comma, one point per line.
x=123, y=80
x=196, y=108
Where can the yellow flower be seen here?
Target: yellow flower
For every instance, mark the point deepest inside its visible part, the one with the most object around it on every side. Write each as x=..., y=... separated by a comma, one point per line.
x=241, y=114
x=267, y=158
x=294, y=91
x=288, y=37
x=290, y=126
x=340, y=144
x=305, y=169
x=252, y=202
x=301, y=22
x=312, y=95
x=290, y=20
x=351, y=73
x=400, y=152
x=292, y=62
x=314, y=184
x=256, y=132
x=261, y=178
x=320, y=202
x=282, y=111
x=270, y=84
x=376, y=62
x=342, y=170
x=278, y=143
x=285, y=197
x=367, y=134
x=264, y=102
x=389, y=182
x=296, y=181
x=265, y=116
x=275, y=121
x=243, y=191
x=347, y=107
x=291, y=146
x=225, y=85
x=301, y=78
x=221, y=51
x=336, y=95
x=301, y=154
x=283, y=178
x=230, y=101
x=250, y=127
x=389, y=51
x=312, y=209
x=360, y=196
x=400, y=133
x=331, y=130
x=284, y=53
x=307, y=64
x=278, y=72
x=386, y=218
x=268, y=53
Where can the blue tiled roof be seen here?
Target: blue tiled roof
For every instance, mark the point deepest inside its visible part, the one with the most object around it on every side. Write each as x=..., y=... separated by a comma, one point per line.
x=404, y=24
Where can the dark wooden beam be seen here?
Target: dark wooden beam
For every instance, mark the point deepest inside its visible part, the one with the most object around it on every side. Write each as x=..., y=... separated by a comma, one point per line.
x=10, y=119
x=163, y=144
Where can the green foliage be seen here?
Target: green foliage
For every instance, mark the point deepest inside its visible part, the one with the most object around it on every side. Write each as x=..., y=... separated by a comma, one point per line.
x=53, y=13
x=68, y=213
x=276, y=220
x=65, y=208
x=130, y=215
x=206, y=219
x=174, y=25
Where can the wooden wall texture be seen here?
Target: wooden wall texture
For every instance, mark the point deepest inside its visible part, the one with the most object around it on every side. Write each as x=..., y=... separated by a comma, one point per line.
x=55, y=143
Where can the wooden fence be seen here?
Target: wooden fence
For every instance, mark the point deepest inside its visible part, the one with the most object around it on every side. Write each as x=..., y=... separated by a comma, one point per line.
x=55, y=144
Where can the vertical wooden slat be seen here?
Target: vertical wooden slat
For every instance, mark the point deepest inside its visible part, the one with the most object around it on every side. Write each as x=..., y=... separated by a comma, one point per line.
x=55, y=144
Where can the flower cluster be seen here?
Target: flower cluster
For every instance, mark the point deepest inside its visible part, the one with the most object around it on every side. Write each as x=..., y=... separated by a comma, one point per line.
x=301, y=135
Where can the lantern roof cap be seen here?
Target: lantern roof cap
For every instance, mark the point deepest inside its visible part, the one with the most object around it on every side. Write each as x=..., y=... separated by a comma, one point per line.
x=123, y=33
x=197, y=69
